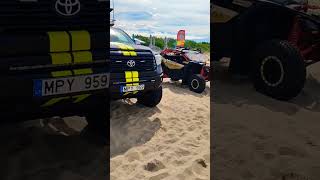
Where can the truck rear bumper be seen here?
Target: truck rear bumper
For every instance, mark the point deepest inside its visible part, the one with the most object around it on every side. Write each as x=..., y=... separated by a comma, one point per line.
x=27, y=108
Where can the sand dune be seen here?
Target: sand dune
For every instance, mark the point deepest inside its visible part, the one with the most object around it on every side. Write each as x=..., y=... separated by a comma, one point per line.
x=170, y=141
x=256, y=137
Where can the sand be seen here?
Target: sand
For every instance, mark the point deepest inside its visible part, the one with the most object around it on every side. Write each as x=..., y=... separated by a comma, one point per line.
x=170, y=141
x=50, y=149
x=256, y=137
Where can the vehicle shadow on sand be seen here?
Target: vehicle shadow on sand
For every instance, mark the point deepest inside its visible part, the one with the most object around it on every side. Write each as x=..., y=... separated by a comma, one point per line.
x=34, y=152
x=131, y=125
x=228, y=90
x=178, y=88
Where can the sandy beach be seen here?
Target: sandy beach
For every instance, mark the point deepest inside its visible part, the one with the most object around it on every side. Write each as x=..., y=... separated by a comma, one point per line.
x=170, y=141
x=256, y=137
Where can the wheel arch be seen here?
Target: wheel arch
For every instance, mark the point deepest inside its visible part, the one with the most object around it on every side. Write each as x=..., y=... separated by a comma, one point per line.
x=264, y=22
x=194, y=68
x=261, y=22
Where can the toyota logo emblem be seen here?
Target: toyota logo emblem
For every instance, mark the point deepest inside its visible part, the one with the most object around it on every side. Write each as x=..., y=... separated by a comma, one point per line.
x=131, y=63
x=67, y=7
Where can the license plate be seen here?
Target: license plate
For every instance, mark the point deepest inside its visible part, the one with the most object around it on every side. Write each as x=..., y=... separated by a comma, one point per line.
x=125, y=89
x=55, y=86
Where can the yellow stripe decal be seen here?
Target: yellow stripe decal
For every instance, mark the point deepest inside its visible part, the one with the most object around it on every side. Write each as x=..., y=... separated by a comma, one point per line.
x=129, y=53
x=126, y=53
x=135, y=78
x=133, y=53
x=80, y=98
x=129, y=47
x=131, y=78
x=126, y=49
x=128, y=74
x=81, y=57
x=54, y=101
x=135, y=74
x=82, y=71
x=61, y=58
x=61, y=73
x=80, y=40
x=59, y=41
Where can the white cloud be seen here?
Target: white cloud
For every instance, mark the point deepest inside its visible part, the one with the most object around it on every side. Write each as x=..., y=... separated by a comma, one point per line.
x=164, y=17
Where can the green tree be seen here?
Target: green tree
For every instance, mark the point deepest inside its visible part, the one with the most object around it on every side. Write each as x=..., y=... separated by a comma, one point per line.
x=204, y=46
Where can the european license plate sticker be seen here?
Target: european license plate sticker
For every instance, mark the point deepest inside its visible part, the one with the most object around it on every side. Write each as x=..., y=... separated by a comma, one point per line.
x=56, y=86
x=125, y=89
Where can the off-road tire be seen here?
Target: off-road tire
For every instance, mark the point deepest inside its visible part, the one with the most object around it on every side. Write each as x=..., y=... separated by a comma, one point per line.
x=151, y=98
x=278, y=70
x=197, y=83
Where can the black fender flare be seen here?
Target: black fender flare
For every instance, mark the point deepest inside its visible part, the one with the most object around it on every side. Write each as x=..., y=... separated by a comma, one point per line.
x=261, y=22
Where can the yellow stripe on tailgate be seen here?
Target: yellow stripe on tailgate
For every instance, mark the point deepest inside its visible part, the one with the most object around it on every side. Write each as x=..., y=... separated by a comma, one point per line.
x=80, y=97
x=82, y=57
x=80, y=40
x=54, y=101
x=61, y=58
x=59, y=41
x=59, y=45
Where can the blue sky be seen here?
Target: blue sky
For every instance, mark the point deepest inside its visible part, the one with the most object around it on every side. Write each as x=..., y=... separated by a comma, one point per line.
x=164, y=17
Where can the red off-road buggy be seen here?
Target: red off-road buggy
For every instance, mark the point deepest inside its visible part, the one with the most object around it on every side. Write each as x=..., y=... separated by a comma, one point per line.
x=187, y=65
x=271, y=40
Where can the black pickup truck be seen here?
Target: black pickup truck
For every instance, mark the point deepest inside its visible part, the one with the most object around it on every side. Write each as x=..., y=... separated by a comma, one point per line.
x=135, y=70
x=54, y=59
